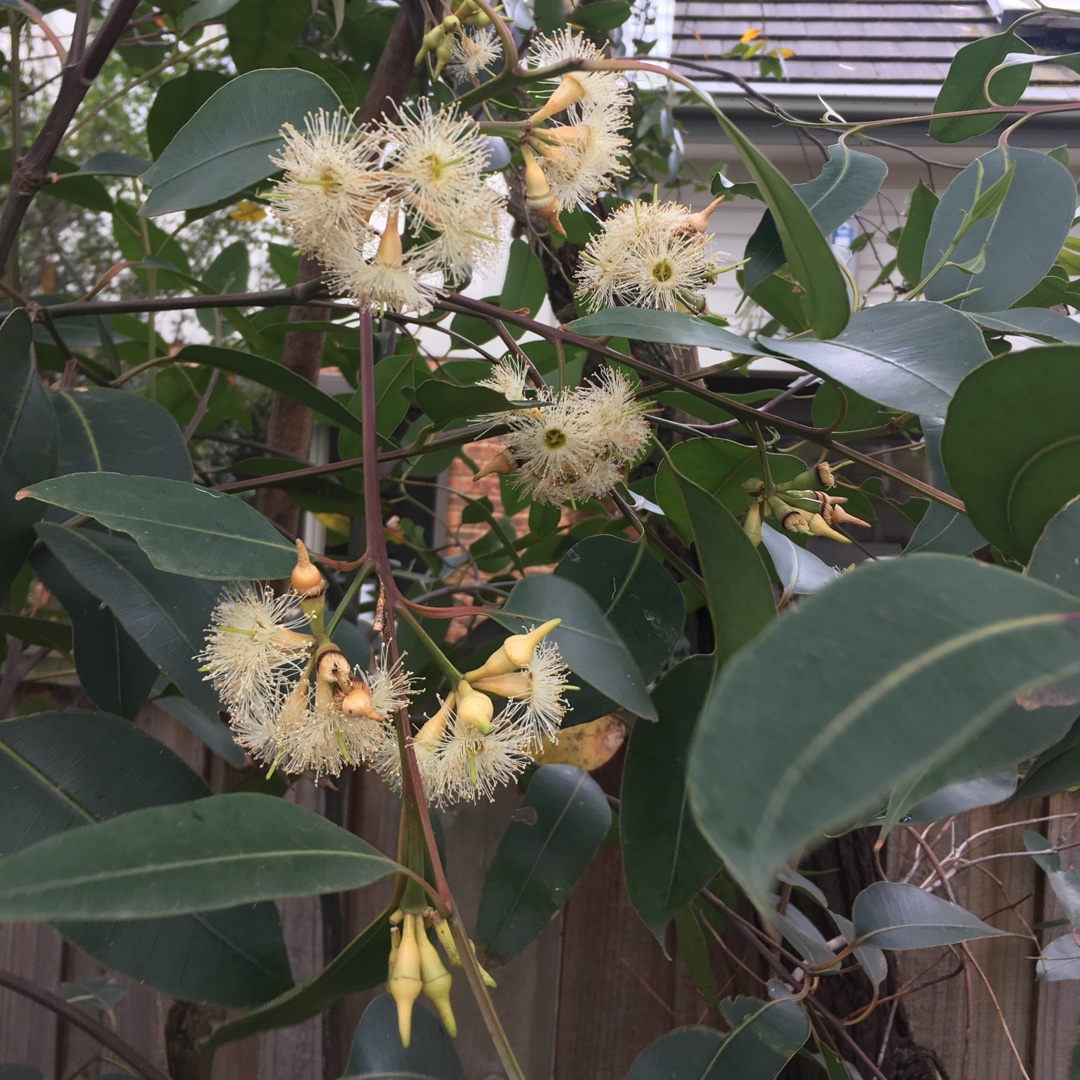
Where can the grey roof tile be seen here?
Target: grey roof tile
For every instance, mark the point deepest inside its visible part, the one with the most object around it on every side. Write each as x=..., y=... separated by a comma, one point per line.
x=854, y=46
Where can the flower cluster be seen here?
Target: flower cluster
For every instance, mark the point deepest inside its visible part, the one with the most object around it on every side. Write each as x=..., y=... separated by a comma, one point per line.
x=294, y=702
x=574, y=161
x=296, y=705
x=573, y=445
x=800, y=505
x=349, y=194
x=651, y=255
x=466, y=751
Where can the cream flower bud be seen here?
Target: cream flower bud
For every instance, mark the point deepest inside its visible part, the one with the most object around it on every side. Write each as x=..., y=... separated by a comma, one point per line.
x=436, y=979
x=406, y=983
x=474, y=709
x=514, y=653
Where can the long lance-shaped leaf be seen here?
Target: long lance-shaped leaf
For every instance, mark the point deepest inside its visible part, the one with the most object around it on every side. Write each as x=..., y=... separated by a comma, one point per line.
x=197, y=856
x=873, y=680
x=184, y=529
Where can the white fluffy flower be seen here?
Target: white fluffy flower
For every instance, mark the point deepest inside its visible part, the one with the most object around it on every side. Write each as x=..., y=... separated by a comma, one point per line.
x=577, y=90
x=578, y=446
x=647, y=256
x=475, y=52
x=253, y=647
x=581, y=160
x=332, y=182
x=437, y=162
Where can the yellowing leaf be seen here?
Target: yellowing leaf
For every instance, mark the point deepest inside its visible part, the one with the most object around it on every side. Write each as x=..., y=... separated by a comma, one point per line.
x=749, y=36
x=588, y=746
x=247, y=211
x=337, y=523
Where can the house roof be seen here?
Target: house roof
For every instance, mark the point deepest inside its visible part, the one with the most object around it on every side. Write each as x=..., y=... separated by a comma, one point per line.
x=886, y=50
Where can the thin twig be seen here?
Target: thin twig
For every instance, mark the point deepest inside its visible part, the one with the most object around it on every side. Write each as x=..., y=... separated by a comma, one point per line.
x=84, y=1021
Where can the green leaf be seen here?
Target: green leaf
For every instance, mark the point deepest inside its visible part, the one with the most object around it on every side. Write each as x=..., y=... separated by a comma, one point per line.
x=693, y=950
x=525, y=285
x=800, y=571
x=941, y=530
x=867, y=684
x=166, y=614
x=589, y=644
x=1032, y=322
x=1019, y=246
x=393, y=382
x=669, y=327
x=764, y=1036
x=51, y=771
x=184, y=529
x=689, y=1054
x=444, y=401
x=718, y=467
x=848, y=181
x=204, y=11
x=263, y=32
x=228, y=143
x=959, y=798
x=907, y=356
x=1066, y=886
x=912, y=245
x=196, y=856
x=1014, y=735
x=1060, y=960
x=549, y=15
x=1055, y=769
x=277, y=376
x=894, y=916
x=1054, y=559
x=32, y=631
x=963, y=87
x=113, y=670
x=113, y=163
x=1042, y=853
x=1013, y=484
x=637, y=596
x=377, y=1051
x=27, y=443
x=666, y=860
x=808, y=254
x=176, y=103
x=602, y=14
x=228, y=273
x=737, y=587
x=104, y=430
x=559, y=827
x=359, y=966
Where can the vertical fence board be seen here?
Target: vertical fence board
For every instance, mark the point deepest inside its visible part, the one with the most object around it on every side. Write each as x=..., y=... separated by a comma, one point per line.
x=28, y=1032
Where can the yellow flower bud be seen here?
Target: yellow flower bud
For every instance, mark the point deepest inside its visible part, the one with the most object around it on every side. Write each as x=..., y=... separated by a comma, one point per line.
x=538, y=196
x=446, y=940
x=474, y=708
x=306, y=580
x=436, y=979
x=356, y=703
x=502, y=464
x=699, y=222
x=752, y=523
x=514, y=684
x=791, y=519
x=405, y=983
x=566, y=93
x=433, y=730
x=514, y=653
x=819, y=527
